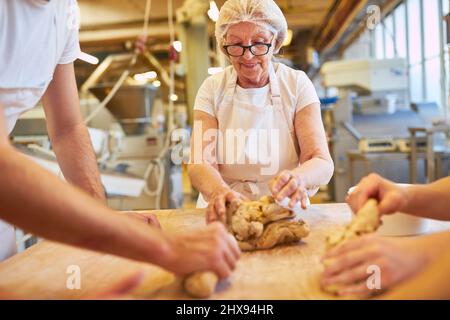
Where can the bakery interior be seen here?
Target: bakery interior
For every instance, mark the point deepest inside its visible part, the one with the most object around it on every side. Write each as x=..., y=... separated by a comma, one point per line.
x=380, y=69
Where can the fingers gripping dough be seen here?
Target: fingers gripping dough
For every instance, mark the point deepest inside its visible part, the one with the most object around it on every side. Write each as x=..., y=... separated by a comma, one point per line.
x=367, y=221
x=256, y=225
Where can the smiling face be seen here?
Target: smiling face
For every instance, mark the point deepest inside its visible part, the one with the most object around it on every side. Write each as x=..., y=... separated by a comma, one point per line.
x=253, y=71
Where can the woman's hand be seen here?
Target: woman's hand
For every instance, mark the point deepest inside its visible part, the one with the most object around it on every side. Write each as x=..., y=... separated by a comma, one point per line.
x=216, y=210
x=397, y=259
x=288, y=184
x=391, y=197
x=210, y=248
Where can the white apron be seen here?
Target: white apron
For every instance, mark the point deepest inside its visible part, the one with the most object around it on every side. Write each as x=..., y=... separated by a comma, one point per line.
x=273, y=130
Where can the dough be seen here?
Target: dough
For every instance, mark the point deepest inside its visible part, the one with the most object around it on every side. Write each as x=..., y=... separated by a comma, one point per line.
x=367, y=220
x=263, y=224
x=246, y=220
x=201, y=284
x=280, y=232
x=256, y=225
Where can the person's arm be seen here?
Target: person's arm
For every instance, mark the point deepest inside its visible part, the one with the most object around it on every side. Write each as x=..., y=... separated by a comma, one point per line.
x=430, y=201
x=431, y=284
x=68, y=133
x=316, y=165
x=203, y=169
x=38, y=202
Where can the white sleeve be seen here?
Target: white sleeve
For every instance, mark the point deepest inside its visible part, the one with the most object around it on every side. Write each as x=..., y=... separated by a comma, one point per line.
x=306, y=92
x=72, y=49
x=205, y=98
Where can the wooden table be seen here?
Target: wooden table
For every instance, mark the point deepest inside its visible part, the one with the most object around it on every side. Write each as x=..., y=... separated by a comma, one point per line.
x=290, y=272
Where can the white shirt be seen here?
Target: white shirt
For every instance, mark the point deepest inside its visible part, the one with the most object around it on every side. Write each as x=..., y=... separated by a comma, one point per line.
x=296, y=89
x=35, y=36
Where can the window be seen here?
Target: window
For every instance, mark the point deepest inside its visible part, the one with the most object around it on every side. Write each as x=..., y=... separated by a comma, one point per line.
x=414, y=30
x=389, y=37
x=431, y=28
x=379, y=42
x=400, y=31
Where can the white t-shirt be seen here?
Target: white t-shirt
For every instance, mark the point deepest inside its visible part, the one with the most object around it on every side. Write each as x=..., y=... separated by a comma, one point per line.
x=296, y=89
x=35, y=36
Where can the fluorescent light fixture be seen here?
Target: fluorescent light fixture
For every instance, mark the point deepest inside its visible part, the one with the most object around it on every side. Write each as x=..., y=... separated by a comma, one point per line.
x=287, y=42
x=214, y=70
x=156, y=83
x=213, y=12
x=150, y=75
x=178, y=45
x=88, y=58
x=140, y=78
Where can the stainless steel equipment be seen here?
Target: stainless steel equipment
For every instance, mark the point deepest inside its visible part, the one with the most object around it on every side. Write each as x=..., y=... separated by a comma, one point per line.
x=369, y=123
x=131, y=105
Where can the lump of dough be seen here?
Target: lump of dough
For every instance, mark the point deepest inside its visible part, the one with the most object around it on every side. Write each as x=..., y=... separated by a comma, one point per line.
x=367, y=220
x=276, y=233
x=201, y=284
x=246, y=220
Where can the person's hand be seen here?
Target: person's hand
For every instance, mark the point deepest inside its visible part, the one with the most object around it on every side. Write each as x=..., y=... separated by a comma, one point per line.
x=143, y=216
x=217, y=203
x=348, y=265
x=288, y=184
x=391, y=197
x=141, y=44
x=210, y=248
x=122, y=290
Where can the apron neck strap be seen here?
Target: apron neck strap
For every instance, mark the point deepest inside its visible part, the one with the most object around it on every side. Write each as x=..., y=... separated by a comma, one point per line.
x=273, y=83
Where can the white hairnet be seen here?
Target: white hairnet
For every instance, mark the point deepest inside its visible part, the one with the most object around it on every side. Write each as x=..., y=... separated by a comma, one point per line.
x=264, y=13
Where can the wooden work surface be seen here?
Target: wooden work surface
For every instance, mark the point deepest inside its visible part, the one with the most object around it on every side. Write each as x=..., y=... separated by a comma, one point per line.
x=290, y=272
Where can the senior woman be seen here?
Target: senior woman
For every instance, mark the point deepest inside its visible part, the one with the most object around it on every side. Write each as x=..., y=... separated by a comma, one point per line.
x=274, y=108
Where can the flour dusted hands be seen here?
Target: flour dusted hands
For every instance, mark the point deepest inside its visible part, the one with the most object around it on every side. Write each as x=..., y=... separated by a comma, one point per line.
x=288, y=184
x=216, y=210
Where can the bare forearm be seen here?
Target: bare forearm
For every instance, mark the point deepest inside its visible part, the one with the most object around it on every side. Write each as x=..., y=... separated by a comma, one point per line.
x=431, y=201
x=206, y=179
x=432, y=283
x=39, y=202
x=315, y=172
x=77, y=160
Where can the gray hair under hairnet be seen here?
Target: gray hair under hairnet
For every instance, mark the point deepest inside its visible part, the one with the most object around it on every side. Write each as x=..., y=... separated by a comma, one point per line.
x=264, y=13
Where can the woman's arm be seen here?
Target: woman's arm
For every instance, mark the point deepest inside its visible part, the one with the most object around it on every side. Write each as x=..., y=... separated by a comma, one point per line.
x=203, y=167
x=315, y=166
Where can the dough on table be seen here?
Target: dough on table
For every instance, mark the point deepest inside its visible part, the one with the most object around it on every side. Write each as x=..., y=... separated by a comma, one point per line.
x=276, y=233
x=366, y=221
x=201, y=284
x=256, y=225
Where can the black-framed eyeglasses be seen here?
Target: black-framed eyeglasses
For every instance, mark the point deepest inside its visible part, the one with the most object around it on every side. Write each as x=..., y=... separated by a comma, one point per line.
x=257, y=49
